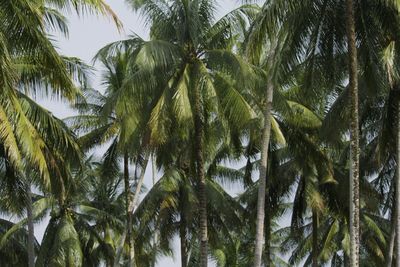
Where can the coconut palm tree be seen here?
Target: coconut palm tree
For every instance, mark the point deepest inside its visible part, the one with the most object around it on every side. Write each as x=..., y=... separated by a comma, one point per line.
x=264, y=47
x=186, y=63
x=32, y=64
x=58, y=141
x=123, y=123
x=98, y=126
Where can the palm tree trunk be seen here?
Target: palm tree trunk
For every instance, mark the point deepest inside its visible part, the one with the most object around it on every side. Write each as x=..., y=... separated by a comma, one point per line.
x=198, y=131
x=154, y=178
x=268, y=219
x=135, y=200
x=263, y=177
x=354, y=137
x=389, y=256
x=128, y=237
x=131, y=209
x=397, y=189
x=31, y=228
x=183, y=240
x=314, y=238
x=139, y=185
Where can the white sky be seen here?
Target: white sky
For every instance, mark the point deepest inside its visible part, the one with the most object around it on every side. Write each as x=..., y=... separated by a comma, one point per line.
x=86, y=36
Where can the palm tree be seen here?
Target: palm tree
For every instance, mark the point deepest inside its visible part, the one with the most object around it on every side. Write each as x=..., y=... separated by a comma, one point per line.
x=114, y=118
x=264, y=47
x=58, y=141
x=31, y=63
x=265, y=139
x=188, y=51
x=380, y=129
x=97, y=127
x=100, y=125
x=183, y=65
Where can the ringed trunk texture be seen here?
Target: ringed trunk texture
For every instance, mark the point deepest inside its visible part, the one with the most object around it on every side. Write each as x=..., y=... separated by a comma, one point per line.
x=315, y=239
x=31, y=228
x=199, y=132
x=397, y=189
x=266, y=133
x=354, y=138
x=268, y=229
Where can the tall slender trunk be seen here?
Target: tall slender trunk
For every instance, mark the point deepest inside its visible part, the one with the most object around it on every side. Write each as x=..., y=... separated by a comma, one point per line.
x=397, y=190
x=199, y=132
x=128, y=237
x=135, y=200
x=183, y=240
x=154, y=178
x=266, y=133
x=139, y=185
x=389, y=254
x=315, y=251
x=354, y=137
x=132, y=205
x=31, y=228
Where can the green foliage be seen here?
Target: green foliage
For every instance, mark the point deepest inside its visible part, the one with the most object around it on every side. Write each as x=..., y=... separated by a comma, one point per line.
x=194, y=68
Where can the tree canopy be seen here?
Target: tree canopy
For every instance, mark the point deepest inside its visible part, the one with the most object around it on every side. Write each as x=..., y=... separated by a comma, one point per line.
x=272, y=133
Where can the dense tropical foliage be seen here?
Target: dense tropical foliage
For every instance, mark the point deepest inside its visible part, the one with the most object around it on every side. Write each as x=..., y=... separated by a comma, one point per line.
x=272, y=132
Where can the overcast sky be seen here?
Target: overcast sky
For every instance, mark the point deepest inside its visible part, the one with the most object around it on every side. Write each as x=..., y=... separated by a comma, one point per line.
x=86, y=36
